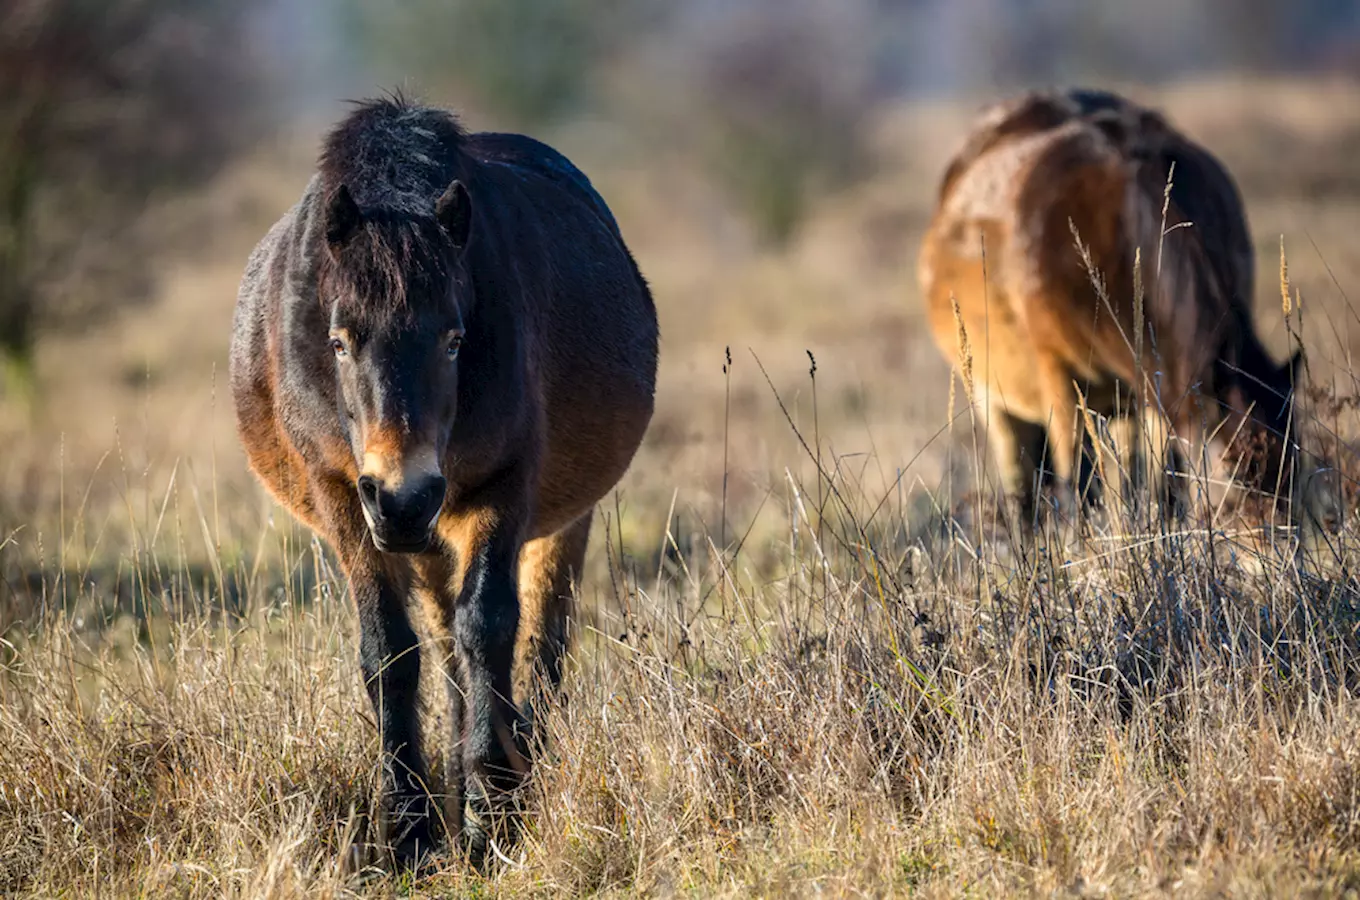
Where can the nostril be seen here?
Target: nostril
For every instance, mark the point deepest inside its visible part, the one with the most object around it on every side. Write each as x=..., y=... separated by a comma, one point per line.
x=434, y=494
x=368, y=492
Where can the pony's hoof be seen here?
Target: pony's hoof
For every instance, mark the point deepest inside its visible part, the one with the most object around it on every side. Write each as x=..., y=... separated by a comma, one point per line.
x=413, y=854
x=414, y=847
x=476, y=837
x=484, y=823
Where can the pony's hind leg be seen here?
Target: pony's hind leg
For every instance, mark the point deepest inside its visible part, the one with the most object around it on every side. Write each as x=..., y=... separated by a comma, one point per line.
x=549, y=571
x=1018, y=447
x=1067, y=439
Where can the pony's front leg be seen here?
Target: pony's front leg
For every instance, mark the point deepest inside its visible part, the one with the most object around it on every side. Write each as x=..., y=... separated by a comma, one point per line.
x=486, y=616
x=389, y=656
x=435, y=586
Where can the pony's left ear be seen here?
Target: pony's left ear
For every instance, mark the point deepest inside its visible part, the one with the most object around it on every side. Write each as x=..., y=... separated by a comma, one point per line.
x=453, y=209
x=343, y=217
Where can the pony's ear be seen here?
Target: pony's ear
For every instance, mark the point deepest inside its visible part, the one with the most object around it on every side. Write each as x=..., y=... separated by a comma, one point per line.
x=453, y=209
x=343, y=217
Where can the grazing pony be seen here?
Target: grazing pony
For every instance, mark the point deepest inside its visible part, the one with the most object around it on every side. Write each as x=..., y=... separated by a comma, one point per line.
x=443, y=356
x=1036, y=177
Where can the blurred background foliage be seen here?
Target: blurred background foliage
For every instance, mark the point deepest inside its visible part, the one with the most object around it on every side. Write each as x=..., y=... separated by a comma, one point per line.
x=532, y=61
x=105, y=104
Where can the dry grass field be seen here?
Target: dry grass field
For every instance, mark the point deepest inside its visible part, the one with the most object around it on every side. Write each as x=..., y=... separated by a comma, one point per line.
x=803, y=667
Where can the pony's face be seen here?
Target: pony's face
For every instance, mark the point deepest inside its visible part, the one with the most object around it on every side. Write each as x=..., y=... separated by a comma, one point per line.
x=396, y=333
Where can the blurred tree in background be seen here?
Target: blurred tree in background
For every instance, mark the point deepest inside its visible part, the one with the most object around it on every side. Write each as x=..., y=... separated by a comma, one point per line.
x=778, y=93
x=528, y=61
x=104, y=103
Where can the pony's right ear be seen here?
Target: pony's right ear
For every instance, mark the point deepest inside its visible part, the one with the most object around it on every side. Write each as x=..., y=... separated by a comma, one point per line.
x=453, y=209
x=343, y=217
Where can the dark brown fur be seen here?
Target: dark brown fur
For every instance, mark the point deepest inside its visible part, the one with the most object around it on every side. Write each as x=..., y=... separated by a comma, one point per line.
x=1034, y=169
x=412, y=234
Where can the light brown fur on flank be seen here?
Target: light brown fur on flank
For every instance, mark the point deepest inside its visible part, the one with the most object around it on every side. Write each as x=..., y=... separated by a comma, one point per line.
x=1037, y=169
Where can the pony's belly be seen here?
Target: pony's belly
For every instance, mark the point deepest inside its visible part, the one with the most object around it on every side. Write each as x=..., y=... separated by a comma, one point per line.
x=588, y=448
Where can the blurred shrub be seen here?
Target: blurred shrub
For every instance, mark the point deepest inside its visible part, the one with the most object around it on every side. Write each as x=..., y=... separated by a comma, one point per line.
x=778, y=94
x=528, y=61
x=102, y=104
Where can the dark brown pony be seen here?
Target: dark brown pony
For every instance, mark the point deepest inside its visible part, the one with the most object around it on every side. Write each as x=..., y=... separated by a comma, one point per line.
x=1033, y=171
x=443, y=356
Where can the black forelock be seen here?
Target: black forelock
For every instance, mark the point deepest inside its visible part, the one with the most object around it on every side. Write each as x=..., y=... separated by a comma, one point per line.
x=395, y=157
x=390, y=265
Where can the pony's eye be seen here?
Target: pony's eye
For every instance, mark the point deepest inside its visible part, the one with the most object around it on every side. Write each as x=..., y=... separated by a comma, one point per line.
x=455, y=343
x=338, y=346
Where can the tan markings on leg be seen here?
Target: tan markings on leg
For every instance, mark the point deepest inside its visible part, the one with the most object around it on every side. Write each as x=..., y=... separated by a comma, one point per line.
x=1154, y=440
x=1123, y=459
x=466, y=534
x=1192, y=429
x=435, y=590
x=549, y=574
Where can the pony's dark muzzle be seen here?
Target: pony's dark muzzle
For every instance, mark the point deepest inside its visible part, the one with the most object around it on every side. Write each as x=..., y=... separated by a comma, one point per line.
x=402, y=520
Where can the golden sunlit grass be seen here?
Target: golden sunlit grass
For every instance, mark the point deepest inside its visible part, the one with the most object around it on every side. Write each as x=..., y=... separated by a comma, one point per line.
x=888, y=706
x=809, y=660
